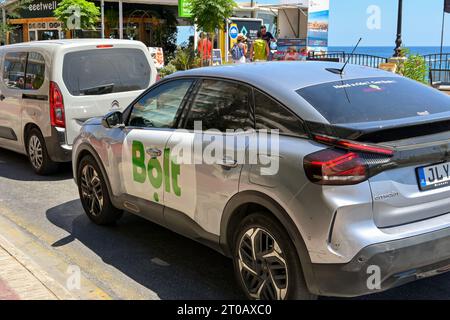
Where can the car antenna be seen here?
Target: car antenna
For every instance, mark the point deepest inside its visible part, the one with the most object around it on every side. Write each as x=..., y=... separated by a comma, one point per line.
x=341, y=71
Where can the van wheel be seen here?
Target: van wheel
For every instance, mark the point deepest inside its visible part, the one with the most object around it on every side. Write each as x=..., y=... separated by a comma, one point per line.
x=266, y=263
x=38, y=155
x=94, y=193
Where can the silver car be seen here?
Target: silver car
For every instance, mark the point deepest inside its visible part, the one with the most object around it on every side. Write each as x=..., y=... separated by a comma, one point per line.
x=349, y=196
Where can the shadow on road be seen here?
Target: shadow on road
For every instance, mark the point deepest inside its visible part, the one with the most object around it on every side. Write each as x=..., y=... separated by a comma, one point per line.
x=15, y=166
x=178, y=268
x=172, y=266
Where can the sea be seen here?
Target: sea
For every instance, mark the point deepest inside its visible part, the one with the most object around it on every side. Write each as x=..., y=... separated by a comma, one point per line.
x=387, y=52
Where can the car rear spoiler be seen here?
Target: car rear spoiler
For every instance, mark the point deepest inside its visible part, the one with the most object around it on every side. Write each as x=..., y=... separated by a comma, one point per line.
x=412, y=144
x=385, y=132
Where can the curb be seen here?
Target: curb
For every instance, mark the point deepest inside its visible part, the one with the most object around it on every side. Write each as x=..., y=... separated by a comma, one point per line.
x=49, y=283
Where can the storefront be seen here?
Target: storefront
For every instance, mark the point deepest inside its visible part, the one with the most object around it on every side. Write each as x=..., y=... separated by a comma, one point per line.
x=153, y=22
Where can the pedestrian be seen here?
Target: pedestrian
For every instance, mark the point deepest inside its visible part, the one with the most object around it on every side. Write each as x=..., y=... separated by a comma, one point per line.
x=239, y=50
x=267, y=36
x=291, y=54
x=260, y=49
x=204, y=49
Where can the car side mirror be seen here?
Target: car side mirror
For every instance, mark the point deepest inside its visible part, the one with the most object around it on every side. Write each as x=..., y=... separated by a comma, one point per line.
x=114, y=119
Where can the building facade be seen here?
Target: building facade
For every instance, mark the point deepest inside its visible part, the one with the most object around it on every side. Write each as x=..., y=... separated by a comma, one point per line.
x=153, y=22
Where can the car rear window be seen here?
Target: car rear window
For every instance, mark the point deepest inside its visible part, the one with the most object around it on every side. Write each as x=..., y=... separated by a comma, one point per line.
x=374, y=99
x=103, y=71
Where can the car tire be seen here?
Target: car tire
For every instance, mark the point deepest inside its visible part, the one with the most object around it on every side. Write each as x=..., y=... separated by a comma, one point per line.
x=94, y=193
x=37, y=153
x=266, y=262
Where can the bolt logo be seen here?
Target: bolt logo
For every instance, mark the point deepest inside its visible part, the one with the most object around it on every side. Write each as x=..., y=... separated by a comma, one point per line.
x=157, y=173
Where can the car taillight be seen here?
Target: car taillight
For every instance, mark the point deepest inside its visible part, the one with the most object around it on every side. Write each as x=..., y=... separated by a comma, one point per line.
x=57, y=116
x=355, y=146
x=335, y=167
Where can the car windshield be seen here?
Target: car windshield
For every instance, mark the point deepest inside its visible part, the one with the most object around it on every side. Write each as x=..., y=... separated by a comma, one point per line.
x=374, y=99
x=103, y=71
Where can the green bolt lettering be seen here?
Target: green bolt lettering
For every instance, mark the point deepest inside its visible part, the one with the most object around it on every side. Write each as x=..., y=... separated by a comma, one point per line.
x=167, y=169
x=175, y=173
x=139, y=174
x=155, y=180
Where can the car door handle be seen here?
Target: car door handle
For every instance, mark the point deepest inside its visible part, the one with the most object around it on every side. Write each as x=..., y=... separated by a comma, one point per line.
x=154, y=152
x=228, y=163
x=2, y=97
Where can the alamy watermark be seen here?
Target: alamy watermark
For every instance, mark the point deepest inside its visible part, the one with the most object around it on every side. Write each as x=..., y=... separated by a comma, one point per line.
x=229, y=148
x=374, y=277
x=374, y=19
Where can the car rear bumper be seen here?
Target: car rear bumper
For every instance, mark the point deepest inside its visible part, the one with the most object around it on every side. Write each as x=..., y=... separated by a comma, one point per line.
x=399, y=262
x=57, y=148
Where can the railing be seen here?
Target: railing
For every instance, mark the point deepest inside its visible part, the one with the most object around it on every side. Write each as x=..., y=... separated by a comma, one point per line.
x=439, y=68
x=355, y=58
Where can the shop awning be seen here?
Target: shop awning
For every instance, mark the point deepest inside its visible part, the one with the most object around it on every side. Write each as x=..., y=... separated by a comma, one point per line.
x=287, y=4
x=161, y=2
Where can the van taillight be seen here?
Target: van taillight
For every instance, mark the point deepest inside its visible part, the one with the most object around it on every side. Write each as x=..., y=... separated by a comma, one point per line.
x=335, y=167
x=57, y=116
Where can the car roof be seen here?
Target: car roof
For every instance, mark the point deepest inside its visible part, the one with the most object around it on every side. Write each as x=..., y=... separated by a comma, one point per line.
x=281, y=79
x=53, y=45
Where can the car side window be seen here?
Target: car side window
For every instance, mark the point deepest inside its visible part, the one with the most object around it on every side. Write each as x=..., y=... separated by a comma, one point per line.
x=159, y=107
x=221, y=105
x=271, y=115
x=35, y=73
x=14, y=70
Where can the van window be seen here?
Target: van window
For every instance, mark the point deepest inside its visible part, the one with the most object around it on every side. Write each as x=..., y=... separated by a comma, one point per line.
x=35, y=74
x=103, y=71
x=14, y=69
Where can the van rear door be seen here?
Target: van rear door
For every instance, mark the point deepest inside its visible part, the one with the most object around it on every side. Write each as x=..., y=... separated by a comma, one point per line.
x=102, y=78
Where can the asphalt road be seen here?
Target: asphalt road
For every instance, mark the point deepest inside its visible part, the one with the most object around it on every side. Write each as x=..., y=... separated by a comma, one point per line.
x=135, y=259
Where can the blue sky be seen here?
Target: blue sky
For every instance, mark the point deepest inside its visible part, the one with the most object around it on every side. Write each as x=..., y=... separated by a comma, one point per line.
x=422, y=22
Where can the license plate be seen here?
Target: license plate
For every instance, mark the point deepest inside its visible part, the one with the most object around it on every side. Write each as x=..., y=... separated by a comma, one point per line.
x=435, y=176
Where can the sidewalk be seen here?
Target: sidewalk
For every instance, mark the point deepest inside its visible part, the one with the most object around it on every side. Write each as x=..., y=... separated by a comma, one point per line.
x=18, y=283
x=21, y=279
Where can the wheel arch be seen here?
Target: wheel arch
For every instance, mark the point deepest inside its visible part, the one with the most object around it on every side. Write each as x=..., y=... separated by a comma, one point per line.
x=26, y=131
x=86, y=150
x=247, y=202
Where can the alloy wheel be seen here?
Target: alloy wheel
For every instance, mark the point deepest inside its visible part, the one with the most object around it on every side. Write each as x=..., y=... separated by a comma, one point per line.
x=91, y=189
x=35, y=152
x=262, y=265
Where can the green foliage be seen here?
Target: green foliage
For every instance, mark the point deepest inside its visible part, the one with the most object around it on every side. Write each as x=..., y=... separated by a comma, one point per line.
x=167, y=70
x=404, y=52
x=210, y=15
x=184, y=59
x=89, y=13
x=415, y=67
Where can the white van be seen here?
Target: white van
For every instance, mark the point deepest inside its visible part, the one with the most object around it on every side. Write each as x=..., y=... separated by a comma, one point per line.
x=50, y=88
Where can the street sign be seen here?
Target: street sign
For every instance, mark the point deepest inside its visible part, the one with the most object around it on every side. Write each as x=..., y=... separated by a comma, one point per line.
x=217, y=57
x=184, y=8
x=233, y=31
